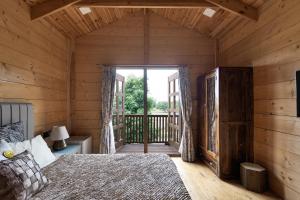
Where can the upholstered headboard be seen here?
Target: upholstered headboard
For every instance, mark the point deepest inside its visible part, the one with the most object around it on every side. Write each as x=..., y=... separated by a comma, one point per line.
x=15, y=112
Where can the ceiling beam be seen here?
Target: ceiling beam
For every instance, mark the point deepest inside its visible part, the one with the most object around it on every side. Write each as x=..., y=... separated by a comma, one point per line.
x=48, y=7
x=146, y=3
x=237, y=7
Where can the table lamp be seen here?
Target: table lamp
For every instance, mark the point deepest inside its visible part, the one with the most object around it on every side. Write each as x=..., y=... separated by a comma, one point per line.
x=58, y=135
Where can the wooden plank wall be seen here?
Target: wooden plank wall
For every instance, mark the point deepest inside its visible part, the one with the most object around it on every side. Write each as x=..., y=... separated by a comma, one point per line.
x=123, y=43
x=272, y=46
x=33, y=64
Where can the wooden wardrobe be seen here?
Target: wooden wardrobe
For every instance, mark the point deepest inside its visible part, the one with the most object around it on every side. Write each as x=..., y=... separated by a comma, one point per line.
x=226, y=119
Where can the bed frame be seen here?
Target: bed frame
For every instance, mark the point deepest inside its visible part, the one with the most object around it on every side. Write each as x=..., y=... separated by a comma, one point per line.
x=15, y=112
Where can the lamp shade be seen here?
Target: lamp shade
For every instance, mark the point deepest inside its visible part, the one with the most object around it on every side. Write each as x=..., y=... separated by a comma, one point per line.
x=59, y=133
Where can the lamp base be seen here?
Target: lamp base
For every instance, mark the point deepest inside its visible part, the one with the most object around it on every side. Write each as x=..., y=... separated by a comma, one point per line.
x=59, y=144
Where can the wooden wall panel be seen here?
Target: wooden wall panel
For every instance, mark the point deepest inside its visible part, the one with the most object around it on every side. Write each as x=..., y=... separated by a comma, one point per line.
x=33, y=64
x=123, y=43
x=272, y=46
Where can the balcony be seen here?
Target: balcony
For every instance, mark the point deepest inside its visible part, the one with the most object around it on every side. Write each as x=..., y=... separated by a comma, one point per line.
x=163, y=133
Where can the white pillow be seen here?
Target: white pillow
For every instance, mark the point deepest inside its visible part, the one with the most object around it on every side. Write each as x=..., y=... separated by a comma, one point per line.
x=20, y=147
x=41, y=152
x=4, y=147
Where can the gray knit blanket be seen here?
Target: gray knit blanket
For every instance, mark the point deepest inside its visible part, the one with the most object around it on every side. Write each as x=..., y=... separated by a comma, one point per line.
x=118, y=176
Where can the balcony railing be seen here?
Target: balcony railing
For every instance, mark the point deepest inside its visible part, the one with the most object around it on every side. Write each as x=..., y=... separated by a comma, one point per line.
x=131, y=131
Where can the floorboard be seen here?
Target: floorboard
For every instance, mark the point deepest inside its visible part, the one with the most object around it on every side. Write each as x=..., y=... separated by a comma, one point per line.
x=152, y=148
x=203, y=184
x=199, y=180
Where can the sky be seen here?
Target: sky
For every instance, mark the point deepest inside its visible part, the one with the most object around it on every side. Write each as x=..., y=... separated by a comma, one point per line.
x=157, y=81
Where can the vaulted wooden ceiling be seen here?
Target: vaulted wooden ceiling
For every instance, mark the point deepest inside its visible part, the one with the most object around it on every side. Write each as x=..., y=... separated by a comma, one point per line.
x=72, y=23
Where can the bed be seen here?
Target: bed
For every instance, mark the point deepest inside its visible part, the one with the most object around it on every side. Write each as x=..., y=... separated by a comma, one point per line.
x=119, y=176
x=95, y=176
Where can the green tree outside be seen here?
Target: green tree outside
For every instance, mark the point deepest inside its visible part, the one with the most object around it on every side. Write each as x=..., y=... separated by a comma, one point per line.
x=134, y=96
x=134, y=105
x=162, y=105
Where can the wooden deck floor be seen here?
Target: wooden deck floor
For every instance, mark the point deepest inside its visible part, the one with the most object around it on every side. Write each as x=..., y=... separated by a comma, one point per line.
x=203, y=184
x=152, y=148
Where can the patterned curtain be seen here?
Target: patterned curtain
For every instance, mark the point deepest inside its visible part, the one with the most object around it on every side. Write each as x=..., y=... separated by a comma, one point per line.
x=187, y=144
x=107, y=141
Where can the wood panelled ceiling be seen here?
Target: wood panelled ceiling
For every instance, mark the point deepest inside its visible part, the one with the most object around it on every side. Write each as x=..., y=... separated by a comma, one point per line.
x=73, y=24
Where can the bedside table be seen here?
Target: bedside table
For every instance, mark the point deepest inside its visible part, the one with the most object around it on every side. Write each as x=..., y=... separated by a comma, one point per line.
x=70, y=149
x=85, y=143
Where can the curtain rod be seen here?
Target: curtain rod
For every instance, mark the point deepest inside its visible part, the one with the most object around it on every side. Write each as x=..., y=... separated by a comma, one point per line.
x=138, y=65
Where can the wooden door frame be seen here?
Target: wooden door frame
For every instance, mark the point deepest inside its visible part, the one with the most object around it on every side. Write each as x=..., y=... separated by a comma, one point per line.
x=145, y=125
x=210, y=154
x=172, y=109
x=119, y=95
x=145, y=68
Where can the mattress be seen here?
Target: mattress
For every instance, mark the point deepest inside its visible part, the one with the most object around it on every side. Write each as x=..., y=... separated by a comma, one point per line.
x=118, y=176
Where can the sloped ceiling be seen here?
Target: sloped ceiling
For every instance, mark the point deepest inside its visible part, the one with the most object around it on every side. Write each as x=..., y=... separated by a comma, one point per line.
x=73, y=24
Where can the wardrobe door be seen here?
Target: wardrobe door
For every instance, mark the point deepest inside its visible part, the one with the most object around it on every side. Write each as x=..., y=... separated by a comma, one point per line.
x=210, y=115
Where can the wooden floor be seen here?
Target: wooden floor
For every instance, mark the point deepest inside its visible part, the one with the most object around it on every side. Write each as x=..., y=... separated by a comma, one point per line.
x=199, y=180
x=152, y=148
x=202, y=184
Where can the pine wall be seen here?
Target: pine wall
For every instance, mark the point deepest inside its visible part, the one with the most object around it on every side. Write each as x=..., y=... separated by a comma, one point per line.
x=33, y=65
x=123, y=43
x=272, y=47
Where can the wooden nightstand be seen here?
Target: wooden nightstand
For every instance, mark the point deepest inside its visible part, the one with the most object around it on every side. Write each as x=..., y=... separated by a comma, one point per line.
x=85, y=143
x=70, y=149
